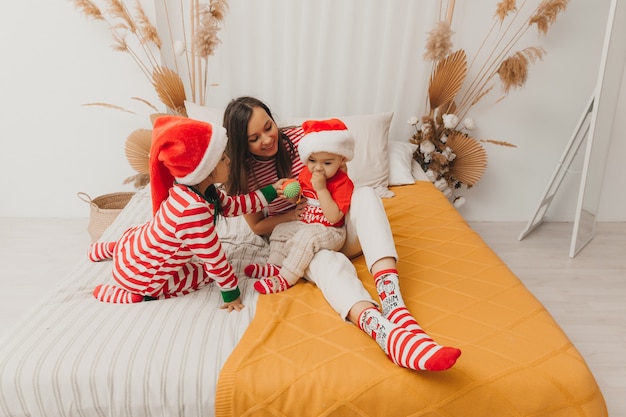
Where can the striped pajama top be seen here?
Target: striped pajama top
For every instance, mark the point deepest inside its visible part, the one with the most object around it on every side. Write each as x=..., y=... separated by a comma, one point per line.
x=264, y=172
x=148, y=255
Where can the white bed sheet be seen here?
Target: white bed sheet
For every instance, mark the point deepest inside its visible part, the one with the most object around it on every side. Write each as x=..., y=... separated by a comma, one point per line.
x=76, y=356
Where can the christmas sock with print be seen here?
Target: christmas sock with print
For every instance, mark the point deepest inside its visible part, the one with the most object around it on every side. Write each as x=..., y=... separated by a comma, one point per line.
x=115, y=294
x=101, y=251
x=272, y=285
x=261, y=270
x=388, y=287
x=407, y=349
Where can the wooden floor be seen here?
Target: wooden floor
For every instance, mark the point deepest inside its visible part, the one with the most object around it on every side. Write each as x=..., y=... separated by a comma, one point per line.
x=586, y=294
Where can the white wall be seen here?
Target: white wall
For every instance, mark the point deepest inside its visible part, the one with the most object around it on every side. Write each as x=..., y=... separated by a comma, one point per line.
x=55, y=60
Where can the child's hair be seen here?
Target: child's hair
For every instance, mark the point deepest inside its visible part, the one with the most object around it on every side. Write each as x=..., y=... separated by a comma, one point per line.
x=236, y=118
x=212, y=196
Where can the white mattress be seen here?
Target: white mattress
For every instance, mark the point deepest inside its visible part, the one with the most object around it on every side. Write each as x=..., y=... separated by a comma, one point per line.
x=76, y=356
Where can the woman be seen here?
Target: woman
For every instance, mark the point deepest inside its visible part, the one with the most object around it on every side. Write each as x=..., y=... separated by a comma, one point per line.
x=260, y=152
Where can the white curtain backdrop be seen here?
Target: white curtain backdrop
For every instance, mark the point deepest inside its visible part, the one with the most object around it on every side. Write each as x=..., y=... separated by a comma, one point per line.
x=319, y=58
x=308, y=58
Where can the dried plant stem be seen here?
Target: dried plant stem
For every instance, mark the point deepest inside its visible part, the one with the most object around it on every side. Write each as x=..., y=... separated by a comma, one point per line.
x=195, y=4
x=119, y=9
x=486, y=73
x=146, y=102
x=546, y=10
x=109, y=106
x=171, y=34
x=490, y=69
x=450, y=11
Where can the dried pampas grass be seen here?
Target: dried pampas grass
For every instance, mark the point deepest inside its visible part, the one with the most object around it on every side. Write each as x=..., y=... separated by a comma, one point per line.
x=206, y=22
x=504, y=8
x=513, y=71
x=439, y=42
x=148, y=31
x=444, y=150
x=512, y=67
x=89, y=9
x=546, y=14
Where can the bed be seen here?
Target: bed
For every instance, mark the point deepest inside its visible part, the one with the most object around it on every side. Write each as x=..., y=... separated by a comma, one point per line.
x=289, y=354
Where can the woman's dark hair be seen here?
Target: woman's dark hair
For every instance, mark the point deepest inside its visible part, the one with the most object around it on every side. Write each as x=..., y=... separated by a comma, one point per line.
x=236, y=118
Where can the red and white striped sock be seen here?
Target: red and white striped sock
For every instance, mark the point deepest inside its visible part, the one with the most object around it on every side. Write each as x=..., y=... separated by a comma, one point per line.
x=387, y=284
x=115, y=294
x=405, y=348
x=101, y=251
x=261, y=270
x=271, y=285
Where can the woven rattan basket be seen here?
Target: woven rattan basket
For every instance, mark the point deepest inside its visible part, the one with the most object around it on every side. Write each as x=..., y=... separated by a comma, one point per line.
x=103, y=210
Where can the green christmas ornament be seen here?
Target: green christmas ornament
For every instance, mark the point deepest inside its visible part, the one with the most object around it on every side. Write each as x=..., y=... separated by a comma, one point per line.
x=291, y=189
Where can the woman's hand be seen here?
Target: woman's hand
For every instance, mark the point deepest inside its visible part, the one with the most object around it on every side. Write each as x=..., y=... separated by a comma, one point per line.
x=278, y=185
x=297, y=212
x=233, y=305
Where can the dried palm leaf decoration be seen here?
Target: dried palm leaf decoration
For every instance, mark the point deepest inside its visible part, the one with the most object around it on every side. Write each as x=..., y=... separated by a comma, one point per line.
x=170, y=89
x=471, y=158
x=447, y=79
x=137, y=150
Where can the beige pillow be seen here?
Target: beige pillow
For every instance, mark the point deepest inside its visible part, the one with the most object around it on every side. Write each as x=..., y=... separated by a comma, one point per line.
x=370, y=166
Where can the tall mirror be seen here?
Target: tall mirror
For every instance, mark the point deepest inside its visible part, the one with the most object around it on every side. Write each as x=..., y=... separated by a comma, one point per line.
x=606, y=98
x=595, y=126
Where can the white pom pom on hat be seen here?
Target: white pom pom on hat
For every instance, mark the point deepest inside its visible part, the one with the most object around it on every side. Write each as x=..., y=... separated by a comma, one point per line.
x=183, y=150
x=329, y=135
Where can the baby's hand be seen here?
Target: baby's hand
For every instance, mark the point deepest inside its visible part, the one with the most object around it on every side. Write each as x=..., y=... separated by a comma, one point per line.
x=233, y=305
x=318, y=180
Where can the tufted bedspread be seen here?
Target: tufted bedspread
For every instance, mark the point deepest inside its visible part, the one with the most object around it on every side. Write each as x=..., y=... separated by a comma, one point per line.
x=298, y=357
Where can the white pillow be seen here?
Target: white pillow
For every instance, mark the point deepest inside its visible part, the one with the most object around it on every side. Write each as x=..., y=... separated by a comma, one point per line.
x=418, y=172
x=370, y=166
x=400, y=157
x=212, y=115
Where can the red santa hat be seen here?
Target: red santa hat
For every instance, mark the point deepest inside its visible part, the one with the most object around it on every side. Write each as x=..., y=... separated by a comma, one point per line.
x=330, y=135
x=183, y=150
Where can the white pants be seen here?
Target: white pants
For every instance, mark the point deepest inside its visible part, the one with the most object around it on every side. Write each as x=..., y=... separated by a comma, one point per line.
x=369, y=232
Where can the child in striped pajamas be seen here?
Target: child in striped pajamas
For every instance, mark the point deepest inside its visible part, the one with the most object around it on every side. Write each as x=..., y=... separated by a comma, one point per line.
x=324, y=150
x=154, y=260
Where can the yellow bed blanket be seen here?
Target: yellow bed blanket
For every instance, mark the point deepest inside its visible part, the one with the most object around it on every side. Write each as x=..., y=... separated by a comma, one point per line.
x=298, y=358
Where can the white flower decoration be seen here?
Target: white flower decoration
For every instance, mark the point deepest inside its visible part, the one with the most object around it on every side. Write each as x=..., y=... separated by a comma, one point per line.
x=448, y=154
x=441, y=184
x=443, y=138
x=413, y=121
x=459, y=201
x=427, y=147
x=450, y=121
x=469, y=123
x=431, y=175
